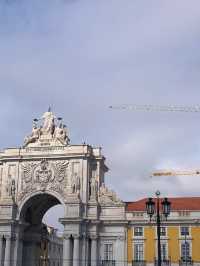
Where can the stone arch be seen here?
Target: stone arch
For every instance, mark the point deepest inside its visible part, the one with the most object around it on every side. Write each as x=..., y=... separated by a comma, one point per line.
x=30, y=215
x=29, y=197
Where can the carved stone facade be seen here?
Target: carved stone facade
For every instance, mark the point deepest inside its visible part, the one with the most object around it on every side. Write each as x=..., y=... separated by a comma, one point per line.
x=46, y=171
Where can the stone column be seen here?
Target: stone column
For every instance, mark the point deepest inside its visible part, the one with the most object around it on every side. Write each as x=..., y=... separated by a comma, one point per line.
x=84, y=256
x=18, y=251
x=1, y=251
x=66, y=251
x=120, y=249
x=7, y=251
x=76, y=251
x=94, y=251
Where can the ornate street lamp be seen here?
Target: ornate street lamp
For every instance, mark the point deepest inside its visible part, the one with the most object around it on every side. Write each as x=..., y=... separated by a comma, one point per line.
x=154, y=208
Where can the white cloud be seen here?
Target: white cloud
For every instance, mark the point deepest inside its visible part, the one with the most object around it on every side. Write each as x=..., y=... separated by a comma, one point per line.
x=82, y=56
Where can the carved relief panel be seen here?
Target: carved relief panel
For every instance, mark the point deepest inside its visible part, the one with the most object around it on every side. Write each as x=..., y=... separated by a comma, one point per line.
x=44, y=175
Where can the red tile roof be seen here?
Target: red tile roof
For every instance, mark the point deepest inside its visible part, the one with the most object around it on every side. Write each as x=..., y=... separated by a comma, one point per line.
x=177, y=204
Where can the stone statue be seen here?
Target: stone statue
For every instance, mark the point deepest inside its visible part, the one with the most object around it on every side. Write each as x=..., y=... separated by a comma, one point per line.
x=48, y=130
x=93, y=188
x=61, y=134
x=48, y=126
x=66, y=134
x=34, y=135
x=75, y=185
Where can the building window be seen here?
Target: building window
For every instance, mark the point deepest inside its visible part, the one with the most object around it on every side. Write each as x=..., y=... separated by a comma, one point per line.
x=138, y=231
x=163, y=251
x=185, y=231
x=138, y=251
x=184, y=213
x=163, y=231
x=185, y=251
x=108, y=251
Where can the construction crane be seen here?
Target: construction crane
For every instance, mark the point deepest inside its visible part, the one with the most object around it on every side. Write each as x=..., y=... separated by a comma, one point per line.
x=157, y=108
x=175, y=173
x=163, y=108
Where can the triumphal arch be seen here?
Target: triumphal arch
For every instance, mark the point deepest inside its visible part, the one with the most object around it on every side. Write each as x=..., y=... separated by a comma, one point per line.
x=48, y=170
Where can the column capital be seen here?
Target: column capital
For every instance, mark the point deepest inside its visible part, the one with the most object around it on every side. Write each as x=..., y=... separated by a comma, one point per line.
x=7, y=237
x=67, y=236
x=76, y=236
x=121, y=238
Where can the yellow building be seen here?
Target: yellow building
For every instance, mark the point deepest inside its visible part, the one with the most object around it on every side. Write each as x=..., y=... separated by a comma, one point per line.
x=180, y=234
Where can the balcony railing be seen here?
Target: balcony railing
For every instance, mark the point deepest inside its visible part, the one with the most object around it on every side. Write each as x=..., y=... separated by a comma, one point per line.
x=186, y=261
x=108, y=262
x=138, y=263
x=164, y=262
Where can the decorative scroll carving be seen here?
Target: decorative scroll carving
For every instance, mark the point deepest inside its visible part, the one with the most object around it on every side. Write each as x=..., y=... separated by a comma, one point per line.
x=107, y=196
x=27, y=172
x=60, y=170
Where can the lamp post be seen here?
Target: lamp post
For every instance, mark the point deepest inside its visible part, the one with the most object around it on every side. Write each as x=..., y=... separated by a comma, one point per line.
x=152, y=208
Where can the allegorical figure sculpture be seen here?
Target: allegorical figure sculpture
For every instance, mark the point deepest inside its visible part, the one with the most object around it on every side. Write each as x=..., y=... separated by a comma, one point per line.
x=33, y=136
x=50, y=130
x=48, y=126
x=93, y=188
x=75, y=185
x=61, y=134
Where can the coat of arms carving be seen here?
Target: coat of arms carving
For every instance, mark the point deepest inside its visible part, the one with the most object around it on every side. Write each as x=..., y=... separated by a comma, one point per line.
x=44, y=175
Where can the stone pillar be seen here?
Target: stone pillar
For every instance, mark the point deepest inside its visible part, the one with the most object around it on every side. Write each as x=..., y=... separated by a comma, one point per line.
x=120, y=250
x=66, y=251
x=1, y=251
x=94, y=257
x=7, y=251
x=84, y=256
x=18, y=251
x=76, y=251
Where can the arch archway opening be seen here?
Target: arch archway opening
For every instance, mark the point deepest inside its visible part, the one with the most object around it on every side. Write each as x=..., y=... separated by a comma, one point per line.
x=36, y=233
x=35, y=208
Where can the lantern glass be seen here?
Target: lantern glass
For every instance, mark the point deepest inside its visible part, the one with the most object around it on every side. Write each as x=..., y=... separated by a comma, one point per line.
x=166, y=207
x=150, y=207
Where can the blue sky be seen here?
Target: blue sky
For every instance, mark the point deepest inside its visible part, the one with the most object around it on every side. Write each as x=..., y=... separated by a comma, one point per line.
x=82, y=56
